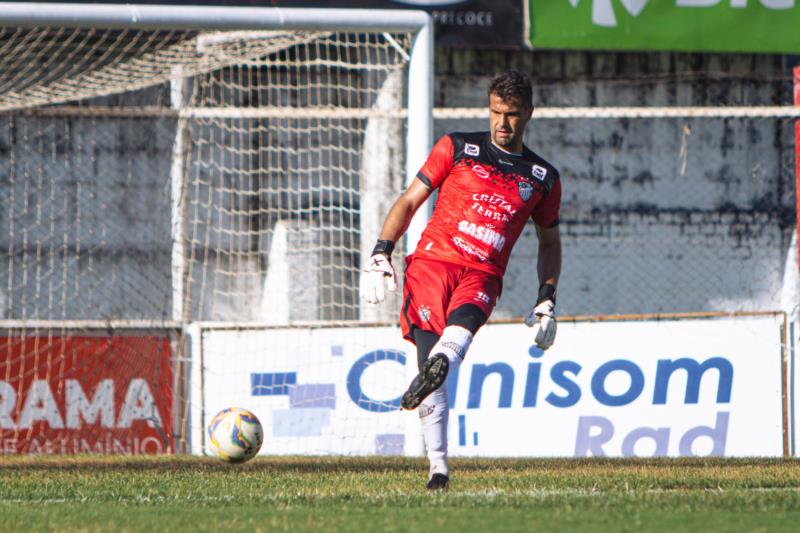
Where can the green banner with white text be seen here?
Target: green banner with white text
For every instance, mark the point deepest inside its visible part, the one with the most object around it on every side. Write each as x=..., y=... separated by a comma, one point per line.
x=770, y=26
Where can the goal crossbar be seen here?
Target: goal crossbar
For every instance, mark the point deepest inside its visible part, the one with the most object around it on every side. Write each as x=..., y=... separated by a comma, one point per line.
x=159, y=17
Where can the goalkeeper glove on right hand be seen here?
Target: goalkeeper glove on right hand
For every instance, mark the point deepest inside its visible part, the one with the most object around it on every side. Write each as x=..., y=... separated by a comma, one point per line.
x=543, y=317
x=378, y=273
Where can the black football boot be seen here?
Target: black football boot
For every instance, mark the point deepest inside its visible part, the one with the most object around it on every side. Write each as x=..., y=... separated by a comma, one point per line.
x=430, y=378
x=439, y=482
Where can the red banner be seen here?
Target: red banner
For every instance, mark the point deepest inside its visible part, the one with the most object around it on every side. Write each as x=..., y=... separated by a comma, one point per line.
x=86, y=394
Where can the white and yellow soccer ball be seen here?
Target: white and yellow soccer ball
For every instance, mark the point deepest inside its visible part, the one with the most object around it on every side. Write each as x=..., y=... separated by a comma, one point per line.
x=235, y=435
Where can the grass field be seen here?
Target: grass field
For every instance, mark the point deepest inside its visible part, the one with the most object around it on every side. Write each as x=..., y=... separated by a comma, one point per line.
x=387, y=494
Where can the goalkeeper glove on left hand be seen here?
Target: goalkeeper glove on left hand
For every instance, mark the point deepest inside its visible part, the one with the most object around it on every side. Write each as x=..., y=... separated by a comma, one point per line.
x=543, y=318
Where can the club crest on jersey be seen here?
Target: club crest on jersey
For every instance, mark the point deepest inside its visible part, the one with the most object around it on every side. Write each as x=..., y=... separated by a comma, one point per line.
x=472, y=149
x=525, y=190
x=424, y=312
x=539, y=172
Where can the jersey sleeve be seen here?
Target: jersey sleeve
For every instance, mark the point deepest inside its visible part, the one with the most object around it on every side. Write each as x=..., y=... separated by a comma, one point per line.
x=439, y=163
x=546, y=214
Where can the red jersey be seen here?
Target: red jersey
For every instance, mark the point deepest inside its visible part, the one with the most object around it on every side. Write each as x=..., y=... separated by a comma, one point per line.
x=485, y=198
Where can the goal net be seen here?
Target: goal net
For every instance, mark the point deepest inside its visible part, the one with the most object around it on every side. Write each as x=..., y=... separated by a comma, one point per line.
x=152, y=179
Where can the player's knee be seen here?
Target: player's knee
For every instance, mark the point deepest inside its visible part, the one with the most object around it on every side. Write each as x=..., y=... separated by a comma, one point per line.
x=468, y=316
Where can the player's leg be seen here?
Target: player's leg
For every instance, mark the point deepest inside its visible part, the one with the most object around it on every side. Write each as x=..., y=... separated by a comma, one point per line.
x=423, y=317
x=424, y=341
x=452, y=346
x=430, y=284
x=444, y=306
x=470, y=302
x=434, y=410
x=433, y=415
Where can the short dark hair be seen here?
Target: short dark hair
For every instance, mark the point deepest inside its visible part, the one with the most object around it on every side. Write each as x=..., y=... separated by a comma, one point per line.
x=512, y=85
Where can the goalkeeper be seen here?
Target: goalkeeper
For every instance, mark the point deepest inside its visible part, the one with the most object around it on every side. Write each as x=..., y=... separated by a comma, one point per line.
x=489, y=185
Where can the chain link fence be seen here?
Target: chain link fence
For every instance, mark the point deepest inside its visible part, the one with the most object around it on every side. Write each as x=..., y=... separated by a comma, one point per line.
x=679, y=185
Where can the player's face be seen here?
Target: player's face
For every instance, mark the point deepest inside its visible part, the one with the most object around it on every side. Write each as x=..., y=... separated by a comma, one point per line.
x=507, y=120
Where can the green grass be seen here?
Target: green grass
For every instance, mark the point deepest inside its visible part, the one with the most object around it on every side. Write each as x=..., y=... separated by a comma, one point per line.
x=387, y=494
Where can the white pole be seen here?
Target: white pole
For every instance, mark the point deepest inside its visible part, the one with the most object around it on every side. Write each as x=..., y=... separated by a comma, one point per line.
x=117, y=16
x=178, y=176
x=196, y=402
x=420, y=121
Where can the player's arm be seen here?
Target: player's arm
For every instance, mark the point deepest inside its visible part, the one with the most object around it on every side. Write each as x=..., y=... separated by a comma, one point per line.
x=379, y=271
x=548, y=264
x=548, y=267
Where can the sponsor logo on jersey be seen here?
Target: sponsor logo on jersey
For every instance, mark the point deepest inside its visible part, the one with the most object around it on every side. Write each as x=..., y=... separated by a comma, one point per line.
x=469, y=249
x=507, y=163
x=483, y=234
x=539, y=172
x=472, y=149
x=525, y=190
x=495, y=200
x=490, y=212
x=480, y=171
x=424, y=312
x=483, y=297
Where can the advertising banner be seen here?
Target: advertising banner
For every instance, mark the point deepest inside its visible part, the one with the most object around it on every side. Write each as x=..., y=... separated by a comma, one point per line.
x=457, y=23
x=661, y=388
x=678, y=25
x=316, y=391
x=86, y=394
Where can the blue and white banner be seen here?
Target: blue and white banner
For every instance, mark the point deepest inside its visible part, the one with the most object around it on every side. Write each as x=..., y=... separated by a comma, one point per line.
x=316, y=391
x=665, y=388
x=658, y=388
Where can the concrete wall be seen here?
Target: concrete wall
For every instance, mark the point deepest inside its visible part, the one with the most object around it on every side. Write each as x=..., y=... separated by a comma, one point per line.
x=84, y=212
x=658, y=215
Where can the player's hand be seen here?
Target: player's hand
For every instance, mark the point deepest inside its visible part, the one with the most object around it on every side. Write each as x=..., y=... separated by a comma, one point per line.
x=543, y=319
x=377, y=276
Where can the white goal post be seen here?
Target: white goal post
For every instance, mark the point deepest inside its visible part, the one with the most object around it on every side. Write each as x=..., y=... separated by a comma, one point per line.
x=419, y=126
x=280, y=138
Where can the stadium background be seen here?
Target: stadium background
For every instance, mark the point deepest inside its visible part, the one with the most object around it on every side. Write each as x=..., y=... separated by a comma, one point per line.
x=660, y=215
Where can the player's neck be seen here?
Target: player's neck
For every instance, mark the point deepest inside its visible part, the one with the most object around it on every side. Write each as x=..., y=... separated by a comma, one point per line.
x=516, y=153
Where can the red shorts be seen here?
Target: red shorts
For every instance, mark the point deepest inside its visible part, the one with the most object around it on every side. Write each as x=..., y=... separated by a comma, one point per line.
x=433, y=289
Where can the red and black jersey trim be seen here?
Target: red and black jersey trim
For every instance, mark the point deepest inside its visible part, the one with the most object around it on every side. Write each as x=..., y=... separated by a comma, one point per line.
x=424, y=179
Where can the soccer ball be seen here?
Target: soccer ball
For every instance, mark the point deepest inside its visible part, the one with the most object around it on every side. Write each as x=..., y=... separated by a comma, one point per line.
x=235, y=435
